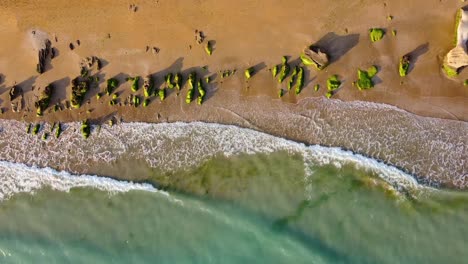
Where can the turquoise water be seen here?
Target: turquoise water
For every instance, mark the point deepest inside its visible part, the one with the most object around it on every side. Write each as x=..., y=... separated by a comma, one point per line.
x=258, y=208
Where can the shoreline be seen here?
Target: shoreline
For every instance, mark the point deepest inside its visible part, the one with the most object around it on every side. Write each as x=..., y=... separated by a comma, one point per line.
x=156, y=39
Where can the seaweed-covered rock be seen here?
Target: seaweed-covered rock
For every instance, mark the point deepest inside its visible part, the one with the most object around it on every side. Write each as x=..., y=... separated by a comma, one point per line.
x=43, y=56
x=376, y=34
x=148, y=86
x=299, y=81
x=249, y=72
x=169, y=80
x=162, y=94
x=333, y=83
x=85, y=129
x=44, y=100
x=404, y=65
x=135, y=82
x=314, y=56
x=191, y=90
x=112, y=84
x=293, y=77
x=201, y=92
x=285, y=68
x=58, y=130
x=79, y=90
x=178, y=81
x=35, y=129
x=209, y=47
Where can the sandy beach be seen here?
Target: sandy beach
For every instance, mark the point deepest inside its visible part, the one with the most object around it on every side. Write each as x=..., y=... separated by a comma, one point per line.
x=248, y=33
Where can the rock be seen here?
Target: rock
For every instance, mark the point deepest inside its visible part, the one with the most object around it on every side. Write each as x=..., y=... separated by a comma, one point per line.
x=15, y=91
x=43, y=55
x=314, y=56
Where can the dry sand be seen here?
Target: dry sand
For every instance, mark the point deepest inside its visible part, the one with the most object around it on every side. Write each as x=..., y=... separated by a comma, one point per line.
x=247, y=33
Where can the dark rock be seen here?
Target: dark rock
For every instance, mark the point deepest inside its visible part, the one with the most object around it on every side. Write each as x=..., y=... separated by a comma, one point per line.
x=15, y=91
x=43, y=55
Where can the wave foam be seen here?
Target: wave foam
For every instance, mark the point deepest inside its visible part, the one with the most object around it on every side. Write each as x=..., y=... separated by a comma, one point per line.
x=19, y=178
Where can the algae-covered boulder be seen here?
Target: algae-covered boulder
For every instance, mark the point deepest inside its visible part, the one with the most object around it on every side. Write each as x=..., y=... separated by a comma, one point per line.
x=299, y=81
x=404, y=65
x=209, y=47
x=285, y=68
x=249, y=72
x=333, y=83
x=44, y=100
x=162, y=94
x=201, y=92
x=135, y=82
x=314, y=56
x=148, y=86
x=79, y=90
x=85, y=129
x=58, y=130
x=364, y=81
x=191, y=90
x=112, y=84
x=178, y=81
x=35, y=129
x=376, y=34
x=293, y=77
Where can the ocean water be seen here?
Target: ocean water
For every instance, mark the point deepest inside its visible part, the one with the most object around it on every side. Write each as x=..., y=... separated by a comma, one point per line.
x=219, y=194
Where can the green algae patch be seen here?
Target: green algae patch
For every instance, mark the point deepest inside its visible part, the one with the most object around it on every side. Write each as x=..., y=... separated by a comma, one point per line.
x=333, y=83
x=376, y=34
x=404, y=65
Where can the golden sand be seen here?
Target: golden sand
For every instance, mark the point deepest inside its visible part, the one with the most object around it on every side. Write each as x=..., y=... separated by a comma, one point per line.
x=246, y=33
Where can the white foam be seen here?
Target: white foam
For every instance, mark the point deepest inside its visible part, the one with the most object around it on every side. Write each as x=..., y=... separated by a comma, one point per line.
x=19, y=178
x=172, y=146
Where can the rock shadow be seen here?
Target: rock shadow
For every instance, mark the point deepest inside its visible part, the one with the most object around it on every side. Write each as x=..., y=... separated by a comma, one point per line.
x=337, y=46
x=415, y=54
x=60, y=90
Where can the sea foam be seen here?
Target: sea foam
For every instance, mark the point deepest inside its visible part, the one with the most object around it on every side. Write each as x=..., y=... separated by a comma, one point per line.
x=168, y=147
x=19, y=178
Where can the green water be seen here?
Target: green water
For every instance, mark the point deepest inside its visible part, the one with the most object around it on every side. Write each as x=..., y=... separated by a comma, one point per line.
x=243, y=209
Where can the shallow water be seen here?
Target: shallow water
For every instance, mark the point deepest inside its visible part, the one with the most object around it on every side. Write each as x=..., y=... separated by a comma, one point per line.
x=265, y=211
x=220, y=194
